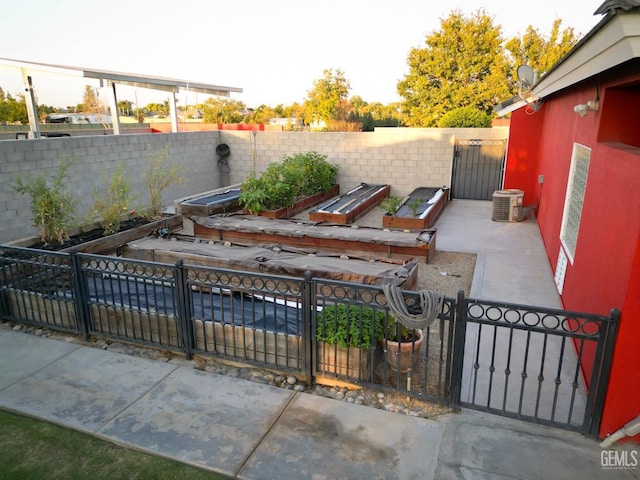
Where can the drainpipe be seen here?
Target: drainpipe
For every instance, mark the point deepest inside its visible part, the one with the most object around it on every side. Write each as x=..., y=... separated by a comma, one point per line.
x=629, y=430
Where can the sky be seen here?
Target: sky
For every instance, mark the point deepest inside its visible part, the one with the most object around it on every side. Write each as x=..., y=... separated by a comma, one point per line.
x=273, y=50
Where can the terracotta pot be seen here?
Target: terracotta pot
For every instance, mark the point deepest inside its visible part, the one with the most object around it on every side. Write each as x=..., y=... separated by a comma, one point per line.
x=403, y=356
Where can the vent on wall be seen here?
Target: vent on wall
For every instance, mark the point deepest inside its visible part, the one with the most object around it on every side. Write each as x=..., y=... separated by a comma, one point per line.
x=507, y=205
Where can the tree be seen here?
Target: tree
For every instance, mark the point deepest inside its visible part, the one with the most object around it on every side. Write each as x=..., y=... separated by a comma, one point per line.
x=89, y=100
x=538, y=51
x=327, y=100
x=125, y=107
x=222, y=110
x=13, y=110
x=263, y=114
x=463, y=64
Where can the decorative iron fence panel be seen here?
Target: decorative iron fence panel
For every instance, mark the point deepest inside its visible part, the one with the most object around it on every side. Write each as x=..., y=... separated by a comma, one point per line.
x=37, y=288
x=420, y=369
x=250, y=317
x=532, y=363
x=131, y=300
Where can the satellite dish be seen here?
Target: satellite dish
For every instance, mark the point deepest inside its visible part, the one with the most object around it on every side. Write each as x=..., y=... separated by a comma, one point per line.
x=526, y=76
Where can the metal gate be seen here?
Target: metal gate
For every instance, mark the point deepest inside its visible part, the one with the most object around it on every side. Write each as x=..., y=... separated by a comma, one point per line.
x=536, y=364
x=477, y=168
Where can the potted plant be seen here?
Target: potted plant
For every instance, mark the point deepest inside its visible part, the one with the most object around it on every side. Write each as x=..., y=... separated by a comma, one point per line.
x=346, y=334
x=402, y=346
x=390, y=205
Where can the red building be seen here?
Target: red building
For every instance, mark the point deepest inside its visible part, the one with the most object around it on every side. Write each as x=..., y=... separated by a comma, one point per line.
x=574, y=148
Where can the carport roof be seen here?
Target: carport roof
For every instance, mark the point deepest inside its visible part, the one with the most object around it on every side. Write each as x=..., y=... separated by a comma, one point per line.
x=132, y=79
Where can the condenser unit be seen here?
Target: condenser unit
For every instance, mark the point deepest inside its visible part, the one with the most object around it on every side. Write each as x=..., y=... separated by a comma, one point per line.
x=507, y=205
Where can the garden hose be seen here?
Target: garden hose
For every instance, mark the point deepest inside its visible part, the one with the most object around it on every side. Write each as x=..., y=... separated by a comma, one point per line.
x=430, y=303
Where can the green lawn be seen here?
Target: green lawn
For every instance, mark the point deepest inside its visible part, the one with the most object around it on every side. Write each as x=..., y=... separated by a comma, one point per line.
x=35, y=450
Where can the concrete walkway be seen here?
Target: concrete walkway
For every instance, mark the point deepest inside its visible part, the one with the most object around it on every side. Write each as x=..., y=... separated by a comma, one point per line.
x=255, y=431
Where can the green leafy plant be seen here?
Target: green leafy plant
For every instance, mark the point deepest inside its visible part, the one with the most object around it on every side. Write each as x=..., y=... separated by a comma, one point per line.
x=112, y=202
x=309, y=172
x=397, y=332
x=52, y=205
x=158, y=176
x=350, y=325
x=282, y=182
x=414, y=205
x=390, y=204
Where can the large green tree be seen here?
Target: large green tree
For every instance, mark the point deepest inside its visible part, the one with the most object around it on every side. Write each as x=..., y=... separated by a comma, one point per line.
x=13, y=109
x=462, y=65
x=327, y=100
x=539, y=51
x=222, y=110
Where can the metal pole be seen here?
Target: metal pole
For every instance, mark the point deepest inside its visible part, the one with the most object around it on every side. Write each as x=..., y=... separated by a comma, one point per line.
x=32, y=107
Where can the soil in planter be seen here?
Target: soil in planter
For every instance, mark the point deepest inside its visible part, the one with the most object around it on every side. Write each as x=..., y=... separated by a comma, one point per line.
x=90, y=235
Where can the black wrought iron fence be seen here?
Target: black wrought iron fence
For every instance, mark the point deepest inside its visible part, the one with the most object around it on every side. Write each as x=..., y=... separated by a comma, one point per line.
x=514, y=360
x=368, y=348
x=542, y=365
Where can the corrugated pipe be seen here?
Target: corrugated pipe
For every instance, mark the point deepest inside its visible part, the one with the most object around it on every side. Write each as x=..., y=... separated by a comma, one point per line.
x=629, y=430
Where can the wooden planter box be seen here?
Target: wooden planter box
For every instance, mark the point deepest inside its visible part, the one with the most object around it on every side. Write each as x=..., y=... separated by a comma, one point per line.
x=221, y=200
x=41, y=309
x=327, y=238
x=419, y=222
x=110, y=243
x=352, y=362
x=301, y=205
x=355, y=210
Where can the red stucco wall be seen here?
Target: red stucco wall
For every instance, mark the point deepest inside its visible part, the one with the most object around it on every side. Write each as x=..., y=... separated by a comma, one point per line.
x=605, y=272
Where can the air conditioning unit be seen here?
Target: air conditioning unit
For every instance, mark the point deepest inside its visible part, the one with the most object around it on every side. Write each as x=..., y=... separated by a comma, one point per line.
x=507, y=205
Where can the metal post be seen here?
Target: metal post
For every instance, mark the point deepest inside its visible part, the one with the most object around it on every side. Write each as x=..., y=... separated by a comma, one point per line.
x=113, y=105
x=32, y=107
x=460, y=334
x=184, y=307
x=174, y=112
x=80, y=293
x=308, y=326
x=604, y=359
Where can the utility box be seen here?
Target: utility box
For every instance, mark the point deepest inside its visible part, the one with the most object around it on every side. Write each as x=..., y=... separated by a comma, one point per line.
x=507, y=205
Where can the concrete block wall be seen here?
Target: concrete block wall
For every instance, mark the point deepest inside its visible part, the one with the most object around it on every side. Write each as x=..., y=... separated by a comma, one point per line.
x=95, y=156
x=401, y=157
x=404, y=158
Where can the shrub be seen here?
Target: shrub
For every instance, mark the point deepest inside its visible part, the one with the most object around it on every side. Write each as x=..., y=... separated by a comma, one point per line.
x=158, y=176
x=296, y=175
x=465, y=117
x=350, y=325
x=112, y=202
x=52, y=206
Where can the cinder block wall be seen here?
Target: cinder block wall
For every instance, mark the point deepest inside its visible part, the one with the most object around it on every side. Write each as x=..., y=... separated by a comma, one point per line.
x=404, y=158
x=193, y=152
x=401, y=157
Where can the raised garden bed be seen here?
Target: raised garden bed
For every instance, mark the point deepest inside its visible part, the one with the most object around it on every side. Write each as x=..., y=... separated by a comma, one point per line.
x=222, y=200
x=427, y=203
x=278, y=261
x=365, y=242
x=351, y=205
x=94, y=241
x=300, y=205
